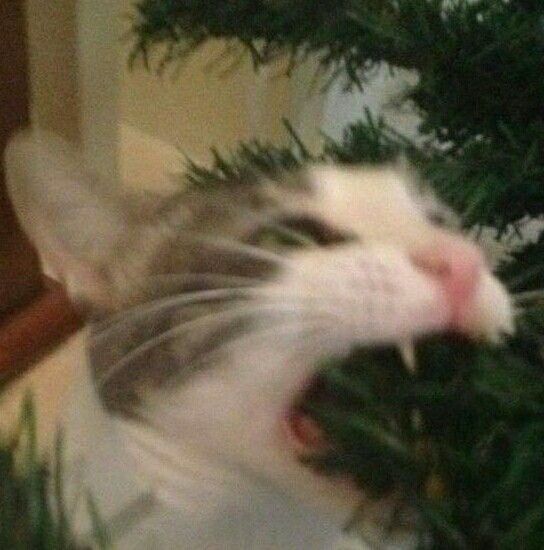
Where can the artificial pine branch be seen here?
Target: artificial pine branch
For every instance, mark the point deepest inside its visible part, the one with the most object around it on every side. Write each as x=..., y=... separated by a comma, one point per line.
x=369, y=141
x=525, y=272
x=460, y=48
x=33, y=511
x=250, y=159
x=479, y=93
x=461, y=439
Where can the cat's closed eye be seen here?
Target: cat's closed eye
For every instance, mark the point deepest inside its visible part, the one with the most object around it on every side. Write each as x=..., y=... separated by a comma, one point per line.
x=298, y=231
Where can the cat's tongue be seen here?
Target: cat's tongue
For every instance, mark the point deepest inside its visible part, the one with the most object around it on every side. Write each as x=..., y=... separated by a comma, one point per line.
x=305, y=434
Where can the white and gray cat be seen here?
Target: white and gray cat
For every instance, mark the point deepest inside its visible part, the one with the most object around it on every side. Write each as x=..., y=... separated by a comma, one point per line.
x=211, y=312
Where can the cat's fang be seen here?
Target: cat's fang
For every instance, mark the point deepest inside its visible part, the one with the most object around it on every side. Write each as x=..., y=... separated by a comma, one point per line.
x=407, y=351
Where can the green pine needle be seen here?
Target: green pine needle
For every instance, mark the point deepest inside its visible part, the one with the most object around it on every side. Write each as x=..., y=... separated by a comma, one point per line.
x=479, y=93
x=470, y=421
x=33, y=513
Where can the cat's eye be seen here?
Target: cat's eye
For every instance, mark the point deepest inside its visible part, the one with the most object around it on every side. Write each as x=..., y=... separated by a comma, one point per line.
x=298, y=231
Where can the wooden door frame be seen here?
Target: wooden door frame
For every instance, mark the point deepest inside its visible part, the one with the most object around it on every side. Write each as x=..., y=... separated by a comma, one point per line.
x=34, y=312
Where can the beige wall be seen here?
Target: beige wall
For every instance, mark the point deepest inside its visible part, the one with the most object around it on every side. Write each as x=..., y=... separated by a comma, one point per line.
x=55, y=101
x=198, y=106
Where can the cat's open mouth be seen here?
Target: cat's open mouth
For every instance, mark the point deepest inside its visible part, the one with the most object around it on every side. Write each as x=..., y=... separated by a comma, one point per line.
x=303, y=431
x=375, y=400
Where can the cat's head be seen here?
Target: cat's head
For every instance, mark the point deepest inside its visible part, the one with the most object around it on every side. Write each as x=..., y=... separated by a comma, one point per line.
x=215, y=308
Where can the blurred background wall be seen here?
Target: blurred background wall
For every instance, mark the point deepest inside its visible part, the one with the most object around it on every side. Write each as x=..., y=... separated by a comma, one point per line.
x=135, y=123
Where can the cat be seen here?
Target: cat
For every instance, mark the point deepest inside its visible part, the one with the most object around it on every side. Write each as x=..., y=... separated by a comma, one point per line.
x=211, y=311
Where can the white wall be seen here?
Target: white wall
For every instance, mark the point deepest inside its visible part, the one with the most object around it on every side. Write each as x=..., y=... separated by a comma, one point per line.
x=379, y=96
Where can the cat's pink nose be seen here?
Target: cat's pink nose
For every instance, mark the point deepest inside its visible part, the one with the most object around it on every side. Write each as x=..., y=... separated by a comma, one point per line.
x=457, y=267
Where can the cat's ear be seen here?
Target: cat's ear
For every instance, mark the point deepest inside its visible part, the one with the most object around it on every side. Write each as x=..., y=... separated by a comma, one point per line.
x=76, y=222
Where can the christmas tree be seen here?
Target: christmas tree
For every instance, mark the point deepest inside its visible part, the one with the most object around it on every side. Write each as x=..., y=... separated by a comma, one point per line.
x=462, y=439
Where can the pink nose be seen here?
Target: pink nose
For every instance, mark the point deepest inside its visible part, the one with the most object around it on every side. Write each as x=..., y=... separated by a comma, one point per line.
x=457, y=267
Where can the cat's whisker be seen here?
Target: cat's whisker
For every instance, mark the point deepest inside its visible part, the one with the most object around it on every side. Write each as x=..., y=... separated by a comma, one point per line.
x=303, y=329
x=222, y=282
x=209, y=319
x=159, y=305
x=189, y=299
x=245, y=249
x=178, y=279
x=292, y=326
x=208, y=278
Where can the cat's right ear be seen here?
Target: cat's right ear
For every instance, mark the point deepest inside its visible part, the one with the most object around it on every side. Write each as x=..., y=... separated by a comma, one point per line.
x=76, y=222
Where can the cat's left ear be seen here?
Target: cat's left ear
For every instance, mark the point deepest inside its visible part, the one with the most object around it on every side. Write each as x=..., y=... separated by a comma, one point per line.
x=77, y=224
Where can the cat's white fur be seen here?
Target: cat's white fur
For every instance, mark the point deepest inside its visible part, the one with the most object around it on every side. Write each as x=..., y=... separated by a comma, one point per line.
x=215, y=449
